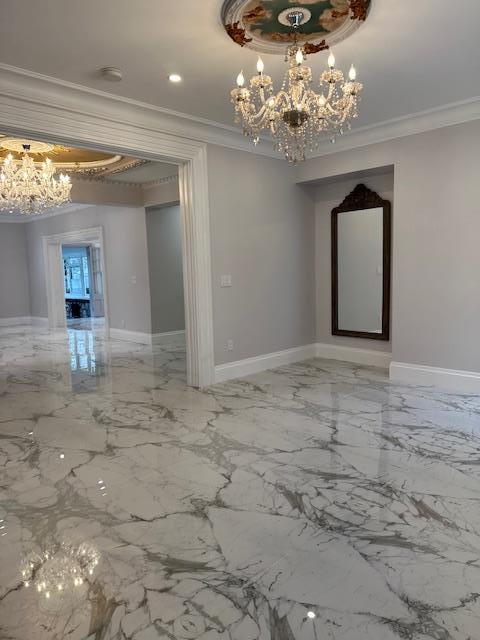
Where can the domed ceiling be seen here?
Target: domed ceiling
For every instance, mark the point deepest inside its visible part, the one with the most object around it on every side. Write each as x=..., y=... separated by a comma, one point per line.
x=68, y=159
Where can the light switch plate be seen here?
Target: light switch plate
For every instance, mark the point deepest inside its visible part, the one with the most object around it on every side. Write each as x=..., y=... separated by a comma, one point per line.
x=226, y=280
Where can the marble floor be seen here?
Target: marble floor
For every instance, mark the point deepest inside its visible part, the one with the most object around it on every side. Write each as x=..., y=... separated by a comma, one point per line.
x=313, y=502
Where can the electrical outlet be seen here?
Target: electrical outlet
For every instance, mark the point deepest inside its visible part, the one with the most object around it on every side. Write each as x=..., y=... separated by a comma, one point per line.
x=226, y=280
x=133, y=279
x=229, y=345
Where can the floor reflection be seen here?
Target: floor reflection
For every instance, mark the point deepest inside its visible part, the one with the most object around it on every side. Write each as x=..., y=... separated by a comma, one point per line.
x=82, y=351
x=58, y=572
x=89, y=360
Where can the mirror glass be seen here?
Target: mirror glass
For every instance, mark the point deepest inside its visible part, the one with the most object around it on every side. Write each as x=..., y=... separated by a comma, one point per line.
x=360, y=270
x=361, y=230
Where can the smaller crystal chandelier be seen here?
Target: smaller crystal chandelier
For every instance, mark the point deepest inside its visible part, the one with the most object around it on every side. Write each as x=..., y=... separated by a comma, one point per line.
x=296, y=116
x=28, y=188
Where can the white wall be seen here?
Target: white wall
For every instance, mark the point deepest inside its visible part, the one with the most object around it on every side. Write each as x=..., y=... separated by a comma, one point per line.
x=436, y=231
x=161, y=194
x=14, y=288
x=164, y=239
x=329, y=195
x=125, y=255
x=262, y=227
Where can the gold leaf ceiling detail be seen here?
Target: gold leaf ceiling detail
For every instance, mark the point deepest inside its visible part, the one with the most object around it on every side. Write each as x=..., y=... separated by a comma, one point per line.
x=69, y=159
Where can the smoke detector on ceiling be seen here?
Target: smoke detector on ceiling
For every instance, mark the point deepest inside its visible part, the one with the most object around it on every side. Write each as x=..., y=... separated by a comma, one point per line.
x=111, y=73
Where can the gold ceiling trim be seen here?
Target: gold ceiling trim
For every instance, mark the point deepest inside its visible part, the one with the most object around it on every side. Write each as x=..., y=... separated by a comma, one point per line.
x=71, y=159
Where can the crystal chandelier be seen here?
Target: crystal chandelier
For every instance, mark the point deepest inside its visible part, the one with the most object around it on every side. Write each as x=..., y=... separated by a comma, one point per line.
x=28, y=188
x=297, y=116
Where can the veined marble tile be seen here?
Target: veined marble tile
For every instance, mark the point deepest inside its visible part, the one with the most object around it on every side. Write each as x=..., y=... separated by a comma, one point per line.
x=313, y=502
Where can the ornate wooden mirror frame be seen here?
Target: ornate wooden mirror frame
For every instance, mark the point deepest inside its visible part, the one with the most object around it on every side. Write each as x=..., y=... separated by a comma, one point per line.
x=362, y=198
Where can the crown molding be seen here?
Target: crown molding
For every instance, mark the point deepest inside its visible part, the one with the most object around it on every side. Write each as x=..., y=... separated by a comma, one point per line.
x=136, y=185
x=58, y=98
x=409, y=125
x=61, y=98
x=99, y=180
x=160, y=181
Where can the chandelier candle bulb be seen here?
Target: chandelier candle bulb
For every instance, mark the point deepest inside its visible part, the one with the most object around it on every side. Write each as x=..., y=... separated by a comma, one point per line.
x=260, y=66
x=352, y=74
x=299, y=57
x=331, y=60
x=240, y=79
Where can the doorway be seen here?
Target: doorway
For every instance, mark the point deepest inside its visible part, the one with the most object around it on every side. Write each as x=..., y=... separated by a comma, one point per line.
x=83, y=285
x=143, y=137
x=75, y=279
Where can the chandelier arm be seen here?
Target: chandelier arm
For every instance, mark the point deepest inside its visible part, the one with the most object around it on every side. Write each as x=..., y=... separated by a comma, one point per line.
x=282, y=96
x=330, y=93
x=340, y=110
x=310, y=99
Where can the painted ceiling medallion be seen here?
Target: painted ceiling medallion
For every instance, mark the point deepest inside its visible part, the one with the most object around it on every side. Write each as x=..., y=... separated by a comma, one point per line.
x=263, y=25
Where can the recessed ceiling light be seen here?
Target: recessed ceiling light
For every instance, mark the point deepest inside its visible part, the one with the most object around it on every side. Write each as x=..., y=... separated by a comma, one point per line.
x=174, y=77
x=311, y=615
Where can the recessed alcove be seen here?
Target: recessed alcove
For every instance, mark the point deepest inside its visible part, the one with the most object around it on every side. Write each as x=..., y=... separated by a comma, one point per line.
x=328, y=193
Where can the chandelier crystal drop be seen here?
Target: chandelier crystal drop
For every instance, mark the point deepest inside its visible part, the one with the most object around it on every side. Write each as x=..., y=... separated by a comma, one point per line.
x=28, y=188
x=297, y=116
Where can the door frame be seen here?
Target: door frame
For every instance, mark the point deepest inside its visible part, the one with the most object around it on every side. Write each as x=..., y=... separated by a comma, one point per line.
x=52, y=256
x=130, y=128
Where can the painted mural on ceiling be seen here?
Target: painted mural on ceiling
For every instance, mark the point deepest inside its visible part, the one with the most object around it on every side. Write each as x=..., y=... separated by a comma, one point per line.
x=263, y=24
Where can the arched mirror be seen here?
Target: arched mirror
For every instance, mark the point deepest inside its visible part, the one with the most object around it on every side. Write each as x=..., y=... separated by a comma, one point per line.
x=361, y=232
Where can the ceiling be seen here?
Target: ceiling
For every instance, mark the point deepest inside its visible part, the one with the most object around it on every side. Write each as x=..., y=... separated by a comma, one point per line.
x=72, y=160
x=411, y=56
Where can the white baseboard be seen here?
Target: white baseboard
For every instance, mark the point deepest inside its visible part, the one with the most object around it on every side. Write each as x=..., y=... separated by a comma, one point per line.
x=449, y=379
x=34, y=321
x=352, y=354
x=169, y=337
x=131, y=336
x=14, y=322
x=241, y=368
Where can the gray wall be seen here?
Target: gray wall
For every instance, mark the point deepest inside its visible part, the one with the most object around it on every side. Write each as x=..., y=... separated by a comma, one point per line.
x=262, y=227
x=436, y=231
x=125, y=256
x=14, y=289
x=328, y=196
x=164, y=239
